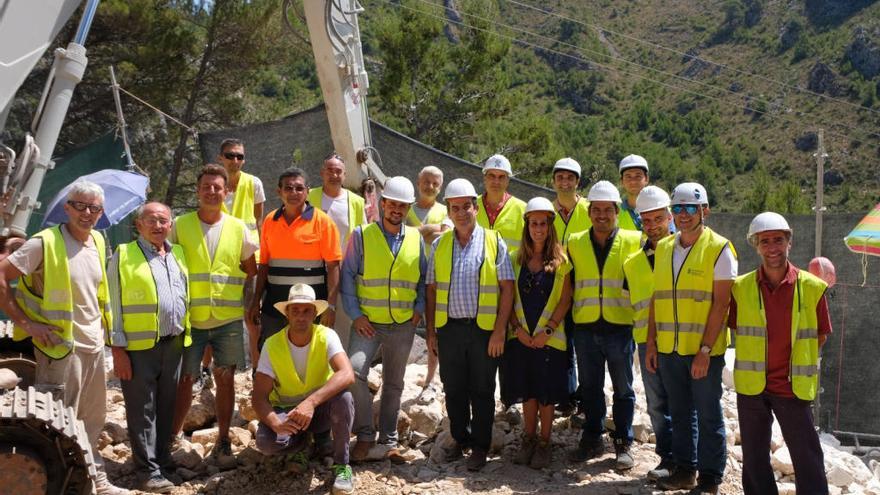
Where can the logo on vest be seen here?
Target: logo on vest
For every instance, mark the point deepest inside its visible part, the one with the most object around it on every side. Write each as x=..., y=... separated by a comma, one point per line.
x=137, y=295
x=696, y=272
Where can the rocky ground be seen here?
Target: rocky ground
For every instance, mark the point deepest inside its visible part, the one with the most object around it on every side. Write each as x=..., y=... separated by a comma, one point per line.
x=424, y=430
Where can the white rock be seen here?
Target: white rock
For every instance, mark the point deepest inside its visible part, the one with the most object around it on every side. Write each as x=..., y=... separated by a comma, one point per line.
x=838, y=476
x=206, y=436
x=781, y=461
x=786, y=488
x=425, y=419
x=8, y=379
x=736, y=452
x=829, y=439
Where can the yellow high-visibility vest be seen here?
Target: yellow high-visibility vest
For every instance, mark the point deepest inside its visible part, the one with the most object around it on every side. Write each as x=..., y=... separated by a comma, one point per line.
x=216, y=287
x=579, y=221
x=387, y=289
x=509, y=222
x=243, y=204
x=356, y=214
x=682, y=307
x=602, y=294
x=487, y=300
x=557, y=338
x=140, y=299
x=625, y=220
x=55, y=306
x=640, y=280
x=290, y=389
x=750, y=368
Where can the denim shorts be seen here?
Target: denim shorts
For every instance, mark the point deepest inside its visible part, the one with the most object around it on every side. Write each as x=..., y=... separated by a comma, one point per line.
x=227, y=342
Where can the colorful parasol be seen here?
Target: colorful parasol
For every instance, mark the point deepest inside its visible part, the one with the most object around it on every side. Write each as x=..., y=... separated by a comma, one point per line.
x=865, y=238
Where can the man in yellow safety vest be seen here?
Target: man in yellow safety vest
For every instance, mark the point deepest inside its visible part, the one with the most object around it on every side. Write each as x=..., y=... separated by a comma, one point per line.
x=780, y=316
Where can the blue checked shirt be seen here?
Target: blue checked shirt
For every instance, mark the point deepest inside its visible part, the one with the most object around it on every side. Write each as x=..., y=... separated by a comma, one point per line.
x=464, y=287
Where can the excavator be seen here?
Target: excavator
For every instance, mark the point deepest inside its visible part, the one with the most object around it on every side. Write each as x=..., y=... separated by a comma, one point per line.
x=43, y=447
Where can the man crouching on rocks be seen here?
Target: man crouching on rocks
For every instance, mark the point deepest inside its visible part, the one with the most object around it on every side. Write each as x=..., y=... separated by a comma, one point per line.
x=301, y=386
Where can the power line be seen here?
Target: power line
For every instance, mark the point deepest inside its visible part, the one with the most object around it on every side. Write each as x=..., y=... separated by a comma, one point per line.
x=617, y=69
x=695, y=57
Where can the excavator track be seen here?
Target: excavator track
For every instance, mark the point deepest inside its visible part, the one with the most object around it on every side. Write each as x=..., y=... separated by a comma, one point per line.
x=44, y=449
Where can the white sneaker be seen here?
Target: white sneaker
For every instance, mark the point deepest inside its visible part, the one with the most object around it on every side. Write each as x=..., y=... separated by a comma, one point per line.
x=104, y=487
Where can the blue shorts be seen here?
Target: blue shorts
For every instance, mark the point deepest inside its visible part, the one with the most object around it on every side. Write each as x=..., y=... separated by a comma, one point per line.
x=227, y=342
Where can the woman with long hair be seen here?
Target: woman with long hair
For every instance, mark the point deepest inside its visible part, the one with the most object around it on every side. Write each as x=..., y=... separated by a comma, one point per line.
x=535, y=366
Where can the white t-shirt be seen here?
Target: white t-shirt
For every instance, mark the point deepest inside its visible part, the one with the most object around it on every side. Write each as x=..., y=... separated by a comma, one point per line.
x=300, y=355
x=84, y=265
x=726, y=266
x=337, y=209
x=259, y=195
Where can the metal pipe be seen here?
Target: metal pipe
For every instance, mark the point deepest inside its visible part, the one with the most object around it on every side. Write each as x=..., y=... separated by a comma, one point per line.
x=856, y=435
x=121, y=117
x=85, y=23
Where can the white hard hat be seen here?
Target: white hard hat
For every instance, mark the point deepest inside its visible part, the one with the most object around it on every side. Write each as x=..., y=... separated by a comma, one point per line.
x=633, y=161
x=651, y=198
x=399, y=189
x=459, y=188
x=689, y=193
x=568, y=164
x=604, y=191
x=498, y=162
x=539, y=204
x=766, y=222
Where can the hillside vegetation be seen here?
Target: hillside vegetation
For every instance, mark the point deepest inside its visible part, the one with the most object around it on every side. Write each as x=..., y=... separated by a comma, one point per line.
x=731, y=93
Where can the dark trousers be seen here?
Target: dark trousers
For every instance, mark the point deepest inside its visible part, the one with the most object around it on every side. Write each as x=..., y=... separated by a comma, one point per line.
x=334, y=416
x=796, y=421
x=699, y=444
x=468, y=376
x=594, y=349
x=150, y=397
x=658, y=407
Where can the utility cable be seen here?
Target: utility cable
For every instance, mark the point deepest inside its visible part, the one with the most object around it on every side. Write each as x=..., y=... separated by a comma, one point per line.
x=145, y=103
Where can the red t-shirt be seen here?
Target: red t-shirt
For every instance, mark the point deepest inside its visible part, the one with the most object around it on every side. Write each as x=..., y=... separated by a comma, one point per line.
x=777, y=307
x=492, y=213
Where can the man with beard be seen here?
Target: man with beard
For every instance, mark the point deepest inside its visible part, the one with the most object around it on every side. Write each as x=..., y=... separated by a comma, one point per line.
x=383, y=289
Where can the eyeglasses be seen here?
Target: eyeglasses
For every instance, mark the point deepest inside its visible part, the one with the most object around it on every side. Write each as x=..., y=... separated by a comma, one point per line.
x=80, y=206
x=162, y=222
x=690, y=209
x=234, y=156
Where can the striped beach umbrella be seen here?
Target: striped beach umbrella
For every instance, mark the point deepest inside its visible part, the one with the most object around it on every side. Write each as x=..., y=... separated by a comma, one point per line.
x=865, y=238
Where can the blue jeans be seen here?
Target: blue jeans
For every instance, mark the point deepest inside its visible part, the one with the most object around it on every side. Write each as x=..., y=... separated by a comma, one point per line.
x=699, y=444
x=227, y=341
x=658, y=408
x=593, y=350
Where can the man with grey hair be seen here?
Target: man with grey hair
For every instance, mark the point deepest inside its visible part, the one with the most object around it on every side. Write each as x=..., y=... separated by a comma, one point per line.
x=150, y=329
x=430, y=217
x=62, y=303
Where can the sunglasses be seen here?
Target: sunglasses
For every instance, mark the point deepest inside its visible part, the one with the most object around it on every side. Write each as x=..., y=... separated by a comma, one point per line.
x=80, y=206
x=234, y=156
x=690, y=209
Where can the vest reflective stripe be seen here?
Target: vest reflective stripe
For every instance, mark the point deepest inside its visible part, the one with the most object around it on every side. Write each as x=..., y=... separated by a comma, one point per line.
x=292, y=271
x=289, y=389
x=356, y=214
x=640, y=280
x=579, y=221
x=140, y=304
x=215, y=287
x=602, y=295
x=750, y=368
x=509, y=222
x=487, y=300
x=557, y=338
x=55, y=307
x=387, y=289
x=681, y=308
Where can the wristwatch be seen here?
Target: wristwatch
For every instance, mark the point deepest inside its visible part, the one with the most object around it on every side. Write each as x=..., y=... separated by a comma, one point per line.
x=705, y=349
x=548, y=330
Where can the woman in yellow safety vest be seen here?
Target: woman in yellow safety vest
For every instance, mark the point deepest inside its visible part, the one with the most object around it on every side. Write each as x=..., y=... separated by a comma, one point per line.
x=535, y=365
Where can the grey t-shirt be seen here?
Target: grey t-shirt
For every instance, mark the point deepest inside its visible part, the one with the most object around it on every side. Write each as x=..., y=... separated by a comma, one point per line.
x=84, y=264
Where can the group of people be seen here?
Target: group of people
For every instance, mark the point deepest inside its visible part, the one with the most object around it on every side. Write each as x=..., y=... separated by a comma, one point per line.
x=542, y=295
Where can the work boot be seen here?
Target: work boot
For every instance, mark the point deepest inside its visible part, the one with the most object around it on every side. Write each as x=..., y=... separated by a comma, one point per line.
x=705, y=486
x=361, y=450
x=624, y=459
x=587, y=450
x=679, y=479
x=104, y=487
x=541, y=457
x=526, y=449
x=453, y=453
x=662, y=470
x=223, y=448
x=476, y=460
x=156, y=484
x=344, y=479
x=428, y=394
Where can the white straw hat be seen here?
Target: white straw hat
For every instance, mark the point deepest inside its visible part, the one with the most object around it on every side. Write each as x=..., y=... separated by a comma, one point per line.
x=301, y=294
